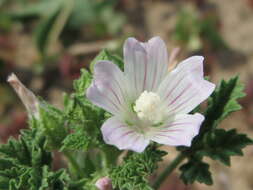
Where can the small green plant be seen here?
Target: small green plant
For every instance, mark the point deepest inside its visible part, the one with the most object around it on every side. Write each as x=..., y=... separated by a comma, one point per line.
x=75, y=131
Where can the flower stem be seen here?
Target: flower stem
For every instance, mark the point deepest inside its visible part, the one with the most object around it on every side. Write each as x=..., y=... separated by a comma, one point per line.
x=168, y=170
x=73, y=163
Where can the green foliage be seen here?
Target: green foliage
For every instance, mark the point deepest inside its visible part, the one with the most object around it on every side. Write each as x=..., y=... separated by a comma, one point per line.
x=51, y=26
x=52, y=124
x=83, y=118
x=25, y=164
x=44, y=29
x=218, y=144
x=55, y=17
x=196, y=170
x=76, y=127
x=133, y=173
x=75, y=130
x=81, y=84
x=187, y=29
x=210, y=33
x=193, y=29
x=222, y=102
x=221, y=145
x=33, y=10
x=100, y=15
x=105, y=55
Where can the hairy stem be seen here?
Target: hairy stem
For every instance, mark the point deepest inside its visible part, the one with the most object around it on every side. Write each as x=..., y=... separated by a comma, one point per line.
x=167, y=171
x=73, y=163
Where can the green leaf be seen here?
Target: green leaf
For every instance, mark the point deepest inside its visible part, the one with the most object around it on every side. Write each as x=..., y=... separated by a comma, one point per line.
x=52, y=123
x=105, y=55
x=217, y=144
x=85, y=120
x=79, y=139
x=133, y=173
x=222, y=102
x=25, y=164
x=81, y=84
x=196, y=170
x=221, y=145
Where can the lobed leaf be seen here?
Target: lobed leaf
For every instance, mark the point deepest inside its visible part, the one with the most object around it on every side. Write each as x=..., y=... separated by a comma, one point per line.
x=133, y=173
x=221, y=145
x=222, y=102
x=217, y=144
x=25, y=164
x=196, y=170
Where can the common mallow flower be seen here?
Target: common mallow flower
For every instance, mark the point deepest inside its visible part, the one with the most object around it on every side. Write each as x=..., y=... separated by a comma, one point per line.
x=149, y=103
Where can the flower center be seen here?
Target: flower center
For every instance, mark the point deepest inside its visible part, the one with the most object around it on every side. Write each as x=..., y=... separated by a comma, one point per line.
x=148, y=108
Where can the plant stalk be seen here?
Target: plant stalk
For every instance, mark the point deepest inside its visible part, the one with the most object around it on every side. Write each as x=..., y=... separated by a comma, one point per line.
x=73, y=163
x=173, y=165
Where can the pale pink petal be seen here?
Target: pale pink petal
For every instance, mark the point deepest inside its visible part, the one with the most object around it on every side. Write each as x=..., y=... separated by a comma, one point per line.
x=184, y=88
x=123, y=136
x=157, y=62
x=180, y=131
x=146, y=64
x=107, y=89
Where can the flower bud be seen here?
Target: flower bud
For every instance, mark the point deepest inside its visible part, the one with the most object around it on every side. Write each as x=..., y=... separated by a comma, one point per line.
x=104, y=183
x=27, y=97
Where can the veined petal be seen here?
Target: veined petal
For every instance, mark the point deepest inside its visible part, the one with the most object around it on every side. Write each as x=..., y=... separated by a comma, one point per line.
x=146, y=64
x=180, y=131
x=107, y=90
x=184, y=88
x=122, y=136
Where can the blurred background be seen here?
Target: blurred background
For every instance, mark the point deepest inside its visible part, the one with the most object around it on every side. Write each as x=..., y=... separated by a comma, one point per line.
x=46, y=42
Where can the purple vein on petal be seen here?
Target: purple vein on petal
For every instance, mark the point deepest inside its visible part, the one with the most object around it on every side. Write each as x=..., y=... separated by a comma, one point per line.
x=95, y=87
x=182, y=103
x=135, y=140
x=125, y=134
x=115, y=95
x=115, y=105
x=174, y=87
x=121, y=91
x=135, y=79
x=145, y=74
x=154, y=78
x=113, y=129
x=168, y=136
x=183, y=91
